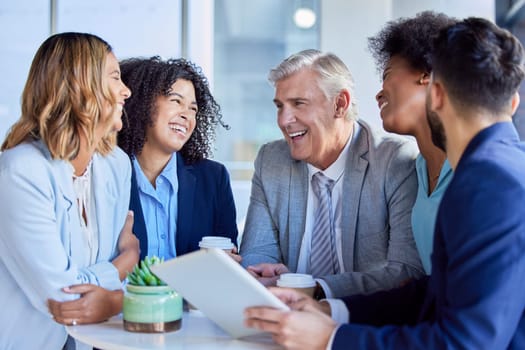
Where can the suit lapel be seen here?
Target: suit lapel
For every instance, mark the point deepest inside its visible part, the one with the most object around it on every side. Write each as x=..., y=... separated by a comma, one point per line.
x=105, y=197
x=65, y=181
x=355, y=170
x=297, y=210
x=185, y=198
x=63, y=172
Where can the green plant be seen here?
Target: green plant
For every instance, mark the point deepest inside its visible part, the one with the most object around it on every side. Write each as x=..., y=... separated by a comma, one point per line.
x=142, y=275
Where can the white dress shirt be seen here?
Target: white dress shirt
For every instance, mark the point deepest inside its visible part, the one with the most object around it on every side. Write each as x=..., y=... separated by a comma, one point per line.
x=335, y=172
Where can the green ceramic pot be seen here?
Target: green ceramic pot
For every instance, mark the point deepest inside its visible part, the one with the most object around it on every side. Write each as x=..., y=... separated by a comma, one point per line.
x=152, y=309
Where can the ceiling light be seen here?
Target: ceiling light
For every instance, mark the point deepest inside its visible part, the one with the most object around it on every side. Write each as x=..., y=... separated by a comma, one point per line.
x=304, y=18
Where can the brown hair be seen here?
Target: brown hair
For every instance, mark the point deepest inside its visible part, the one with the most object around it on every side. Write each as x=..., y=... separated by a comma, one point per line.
x=64, y=96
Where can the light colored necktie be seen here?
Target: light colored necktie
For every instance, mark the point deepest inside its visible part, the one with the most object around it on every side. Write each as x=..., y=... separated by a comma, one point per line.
x=323, y=255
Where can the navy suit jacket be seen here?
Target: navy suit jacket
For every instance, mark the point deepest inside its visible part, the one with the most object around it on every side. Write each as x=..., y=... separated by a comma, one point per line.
x=205, y=206
x=475, y=295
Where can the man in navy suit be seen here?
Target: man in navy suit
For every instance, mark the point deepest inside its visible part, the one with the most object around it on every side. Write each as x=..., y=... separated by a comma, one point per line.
x=474, y=297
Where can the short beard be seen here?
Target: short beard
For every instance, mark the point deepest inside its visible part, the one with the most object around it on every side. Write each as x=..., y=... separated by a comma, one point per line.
x=437, y=130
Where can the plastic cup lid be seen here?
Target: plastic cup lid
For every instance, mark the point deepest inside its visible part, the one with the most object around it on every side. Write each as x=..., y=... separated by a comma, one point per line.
x=216, y=242
x=295, y=280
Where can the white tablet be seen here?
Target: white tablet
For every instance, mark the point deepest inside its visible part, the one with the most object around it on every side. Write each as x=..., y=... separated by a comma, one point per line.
x=218, y=286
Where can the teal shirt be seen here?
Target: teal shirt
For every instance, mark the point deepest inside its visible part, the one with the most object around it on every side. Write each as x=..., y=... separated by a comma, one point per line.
x=425, y=209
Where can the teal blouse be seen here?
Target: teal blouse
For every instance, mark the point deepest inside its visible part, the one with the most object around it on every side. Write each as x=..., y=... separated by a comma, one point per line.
x=425, y=209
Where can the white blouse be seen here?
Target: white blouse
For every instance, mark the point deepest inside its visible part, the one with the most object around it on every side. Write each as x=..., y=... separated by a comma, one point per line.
x=86, y=213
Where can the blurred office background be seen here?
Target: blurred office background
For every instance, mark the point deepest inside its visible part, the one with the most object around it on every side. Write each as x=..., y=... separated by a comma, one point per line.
x=236, y=42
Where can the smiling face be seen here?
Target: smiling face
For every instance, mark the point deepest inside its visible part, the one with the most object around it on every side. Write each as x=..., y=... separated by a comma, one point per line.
x=112, y=114
x=402, y=99
x=173, y=119
x=307, y=119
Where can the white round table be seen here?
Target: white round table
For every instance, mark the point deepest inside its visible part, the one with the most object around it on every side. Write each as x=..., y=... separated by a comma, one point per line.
x=197, y=332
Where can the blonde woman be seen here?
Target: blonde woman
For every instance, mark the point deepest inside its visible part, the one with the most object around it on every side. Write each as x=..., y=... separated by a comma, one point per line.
x=65, y=232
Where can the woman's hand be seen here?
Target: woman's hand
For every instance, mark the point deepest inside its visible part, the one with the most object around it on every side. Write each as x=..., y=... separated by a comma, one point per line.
x=129, y=248
x=95, y=304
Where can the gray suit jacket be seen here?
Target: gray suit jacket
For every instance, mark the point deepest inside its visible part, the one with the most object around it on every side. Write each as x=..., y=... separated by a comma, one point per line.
x=379, y=190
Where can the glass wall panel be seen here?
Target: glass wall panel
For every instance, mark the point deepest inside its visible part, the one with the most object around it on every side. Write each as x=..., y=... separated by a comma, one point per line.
x=251, y=37
x=132, y=27
x=24, y=24
x=510, y=14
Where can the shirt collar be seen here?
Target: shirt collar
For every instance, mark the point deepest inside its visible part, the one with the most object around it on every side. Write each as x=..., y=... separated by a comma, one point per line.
x=337, y=168
x=169, y=173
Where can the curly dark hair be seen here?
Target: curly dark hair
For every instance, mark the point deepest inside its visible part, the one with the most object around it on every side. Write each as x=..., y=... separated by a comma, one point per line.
x=149, y=78
x=411, y=38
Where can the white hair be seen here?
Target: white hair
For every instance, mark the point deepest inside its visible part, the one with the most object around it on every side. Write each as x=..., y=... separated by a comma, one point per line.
x=334, y=76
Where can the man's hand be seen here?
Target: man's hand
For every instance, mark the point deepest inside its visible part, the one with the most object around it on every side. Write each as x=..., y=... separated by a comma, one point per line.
x=267, y=274
x=298, y=301
x=305, y=327
x=95, y=304
x=235, y=255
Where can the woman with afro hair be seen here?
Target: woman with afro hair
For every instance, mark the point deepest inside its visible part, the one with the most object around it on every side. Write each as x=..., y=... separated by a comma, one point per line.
x=401, y=51
x=177, y=194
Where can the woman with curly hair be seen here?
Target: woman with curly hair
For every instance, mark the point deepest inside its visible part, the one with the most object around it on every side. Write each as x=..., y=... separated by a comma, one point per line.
x=177, y=194
x=401, y=52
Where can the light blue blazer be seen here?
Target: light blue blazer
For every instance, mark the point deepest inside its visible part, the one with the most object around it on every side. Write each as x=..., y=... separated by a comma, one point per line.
x=41, y=245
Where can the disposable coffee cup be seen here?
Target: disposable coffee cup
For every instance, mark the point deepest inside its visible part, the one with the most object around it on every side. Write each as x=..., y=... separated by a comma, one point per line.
x=224, y=243
x=298, y=281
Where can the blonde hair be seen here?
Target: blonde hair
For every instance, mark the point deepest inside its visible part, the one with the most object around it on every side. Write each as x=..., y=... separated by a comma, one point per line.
x=64, y=96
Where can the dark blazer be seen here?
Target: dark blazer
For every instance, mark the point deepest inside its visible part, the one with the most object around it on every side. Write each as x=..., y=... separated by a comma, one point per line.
x=474, y=297
x=205, y=206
